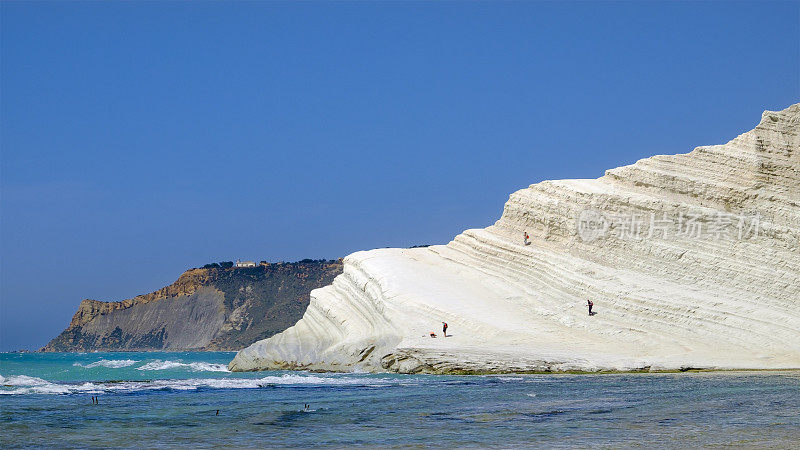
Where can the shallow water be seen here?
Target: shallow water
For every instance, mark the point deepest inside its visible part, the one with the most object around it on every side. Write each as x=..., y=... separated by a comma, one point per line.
x=171, y=399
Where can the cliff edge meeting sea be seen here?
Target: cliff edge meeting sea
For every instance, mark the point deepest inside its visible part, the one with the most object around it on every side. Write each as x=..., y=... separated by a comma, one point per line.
x=691, y=261
x=679, y=332
x=461, y=224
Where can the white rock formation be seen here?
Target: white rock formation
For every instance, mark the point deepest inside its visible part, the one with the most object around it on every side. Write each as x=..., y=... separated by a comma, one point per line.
x=713, y=300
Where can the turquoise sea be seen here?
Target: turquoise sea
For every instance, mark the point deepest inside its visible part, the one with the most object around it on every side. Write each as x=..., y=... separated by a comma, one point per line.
x=191, y=400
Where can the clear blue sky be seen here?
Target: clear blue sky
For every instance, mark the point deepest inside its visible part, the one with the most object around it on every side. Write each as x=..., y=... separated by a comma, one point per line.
x=143, y=138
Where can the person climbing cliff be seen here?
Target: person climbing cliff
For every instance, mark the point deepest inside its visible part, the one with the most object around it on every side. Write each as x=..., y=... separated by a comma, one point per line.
x=590, y=307
x=444, y=329
x=525, y=238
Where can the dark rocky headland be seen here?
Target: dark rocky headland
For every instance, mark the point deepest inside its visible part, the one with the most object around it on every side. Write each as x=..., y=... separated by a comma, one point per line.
x=216, y=307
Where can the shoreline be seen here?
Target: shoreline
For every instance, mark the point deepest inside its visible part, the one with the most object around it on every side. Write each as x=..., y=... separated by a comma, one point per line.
x=445, y=372
x=542, y=372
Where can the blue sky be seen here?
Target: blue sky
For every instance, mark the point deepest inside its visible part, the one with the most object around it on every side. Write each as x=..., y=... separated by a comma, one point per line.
x=140, y=139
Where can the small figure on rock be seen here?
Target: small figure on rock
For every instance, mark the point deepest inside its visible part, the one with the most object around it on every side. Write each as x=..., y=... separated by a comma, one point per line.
x=590, y=307
x=444, y=329
x=525, y=238
x=433, y=335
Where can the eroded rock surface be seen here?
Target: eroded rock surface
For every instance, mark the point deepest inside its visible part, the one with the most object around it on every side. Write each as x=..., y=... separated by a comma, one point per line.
x=205, y=309
x=691, y=260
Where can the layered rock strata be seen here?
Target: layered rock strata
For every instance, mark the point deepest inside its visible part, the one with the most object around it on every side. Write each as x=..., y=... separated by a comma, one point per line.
x=210, y=308
x=691, y=260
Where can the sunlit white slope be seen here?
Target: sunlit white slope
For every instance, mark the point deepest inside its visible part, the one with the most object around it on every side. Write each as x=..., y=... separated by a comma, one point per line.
x=662, y=302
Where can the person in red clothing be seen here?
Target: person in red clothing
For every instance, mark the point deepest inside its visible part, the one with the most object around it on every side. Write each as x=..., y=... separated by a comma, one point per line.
x=590, y=307
x=444, y=329
x=525, y=238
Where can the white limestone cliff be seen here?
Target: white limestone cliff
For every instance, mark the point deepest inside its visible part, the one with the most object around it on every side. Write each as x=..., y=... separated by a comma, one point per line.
x=724, y=293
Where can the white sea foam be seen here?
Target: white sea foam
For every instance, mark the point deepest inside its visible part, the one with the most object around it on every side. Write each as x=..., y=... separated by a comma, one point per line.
x=22, y=380
x=22, y=384
x=321, y=380
x=109, y=363
x=194, y=366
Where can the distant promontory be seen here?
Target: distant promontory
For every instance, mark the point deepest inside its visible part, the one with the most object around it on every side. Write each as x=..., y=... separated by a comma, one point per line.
x=221, y=306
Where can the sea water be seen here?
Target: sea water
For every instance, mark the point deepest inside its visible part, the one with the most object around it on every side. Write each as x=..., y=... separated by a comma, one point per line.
x=191, y=400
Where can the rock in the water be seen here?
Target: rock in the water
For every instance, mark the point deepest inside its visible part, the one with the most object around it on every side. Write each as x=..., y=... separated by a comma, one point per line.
x=691, y=260
x=212, y=308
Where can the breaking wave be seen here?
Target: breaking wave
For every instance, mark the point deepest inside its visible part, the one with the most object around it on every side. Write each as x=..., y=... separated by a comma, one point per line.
x=194, y=366
x=111, y=364
x=155, y=365
x=23, y=384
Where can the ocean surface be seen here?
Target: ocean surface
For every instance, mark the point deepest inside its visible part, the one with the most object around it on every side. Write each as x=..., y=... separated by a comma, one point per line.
x=191, y=400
